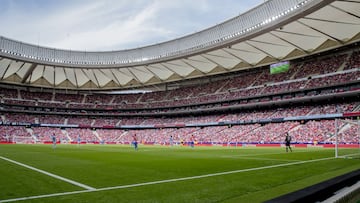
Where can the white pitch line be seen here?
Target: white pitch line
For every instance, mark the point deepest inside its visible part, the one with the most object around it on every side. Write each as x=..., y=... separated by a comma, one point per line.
x=264, y=159
x=163, y=181
x=262, y=154
x=348, y=155
x=49, y=174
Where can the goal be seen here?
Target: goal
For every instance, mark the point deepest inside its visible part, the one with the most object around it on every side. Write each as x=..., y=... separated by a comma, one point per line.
x=347, y=138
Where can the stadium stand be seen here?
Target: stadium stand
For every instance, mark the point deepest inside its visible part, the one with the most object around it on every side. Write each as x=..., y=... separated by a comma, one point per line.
x=315, y=73
x=310, y=132
x=244, y=105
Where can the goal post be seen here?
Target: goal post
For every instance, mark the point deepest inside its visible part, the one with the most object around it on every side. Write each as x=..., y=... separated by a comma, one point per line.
x=347, y=138
x=23, y=139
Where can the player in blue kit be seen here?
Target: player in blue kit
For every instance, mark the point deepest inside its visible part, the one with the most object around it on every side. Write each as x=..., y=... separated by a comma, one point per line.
x=192, y=141
x=78, y=140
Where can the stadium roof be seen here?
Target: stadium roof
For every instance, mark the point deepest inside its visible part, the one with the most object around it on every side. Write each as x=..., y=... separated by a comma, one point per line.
x=274, y=31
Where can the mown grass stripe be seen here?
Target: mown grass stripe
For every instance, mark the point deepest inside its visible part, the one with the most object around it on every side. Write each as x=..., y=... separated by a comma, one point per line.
x=49, y=174
x=165, y=181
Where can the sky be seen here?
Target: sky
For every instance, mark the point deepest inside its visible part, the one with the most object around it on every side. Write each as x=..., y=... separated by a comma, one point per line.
x=106, y=25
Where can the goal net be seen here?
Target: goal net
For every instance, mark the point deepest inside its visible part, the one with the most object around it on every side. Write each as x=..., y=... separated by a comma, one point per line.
x=347, y=138
x=22, y=139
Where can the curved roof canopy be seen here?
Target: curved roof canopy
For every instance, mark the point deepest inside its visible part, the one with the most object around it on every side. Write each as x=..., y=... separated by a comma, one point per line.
x=274, y=31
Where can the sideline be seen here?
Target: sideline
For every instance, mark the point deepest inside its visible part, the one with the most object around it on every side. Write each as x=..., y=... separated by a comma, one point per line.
x=164, y=181
x=49, y=174
x=262, y=154
x=264, y=159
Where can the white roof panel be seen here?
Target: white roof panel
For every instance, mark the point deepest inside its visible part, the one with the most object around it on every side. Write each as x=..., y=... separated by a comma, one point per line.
x=81, y=77
x=142, y=74
x=49, y=74
x=60, y=75
x=23, y=70
x=14, y=67
x=162, y=72
x=37, y=73
x=70, y=75
x=4, y=64
x=334, y=24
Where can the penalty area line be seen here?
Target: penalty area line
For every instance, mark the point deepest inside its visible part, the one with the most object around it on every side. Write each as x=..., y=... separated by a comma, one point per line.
x=165, y=181
x=48, y=174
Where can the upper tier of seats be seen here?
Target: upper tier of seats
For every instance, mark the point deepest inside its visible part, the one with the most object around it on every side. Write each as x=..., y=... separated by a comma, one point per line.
x=334, y=69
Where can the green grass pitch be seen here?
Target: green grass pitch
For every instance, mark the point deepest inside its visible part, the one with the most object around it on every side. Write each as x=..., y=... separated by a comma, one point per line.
x=115, y=173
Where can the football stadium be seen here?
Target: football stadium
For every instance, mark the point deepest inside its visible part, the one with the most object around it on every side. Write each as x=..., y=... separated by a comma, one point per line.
x=263, y=107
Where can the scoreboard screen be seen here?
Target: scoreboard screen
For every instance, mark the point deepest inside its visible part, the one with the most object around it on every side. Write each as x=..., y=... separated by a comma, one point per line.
x=279, y=67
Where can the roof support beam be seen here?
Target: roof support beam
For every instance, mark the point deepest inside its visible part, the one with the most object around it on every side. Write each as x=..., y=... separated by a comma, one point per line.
x=28, y=72
x=287, y=41
x=155, y=75
x=261, y=50
x=212, y=61
x=346, y=11
x=317, y=30
x=238, y=57
x=193, y=66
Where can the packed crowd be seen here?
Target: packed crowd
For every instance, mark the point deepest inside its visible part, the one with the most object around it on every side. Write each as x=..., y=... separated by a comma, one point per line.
x=244, y=115
x=303, y=132
x=315, y=72
x=322, y=71
x=311, y=132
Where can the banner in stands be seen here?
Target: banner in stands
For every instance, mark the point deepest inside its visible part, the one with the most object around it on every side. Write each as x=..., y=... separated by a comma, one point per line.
x=58, y=125
x=311, y=117
x=351, y=114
